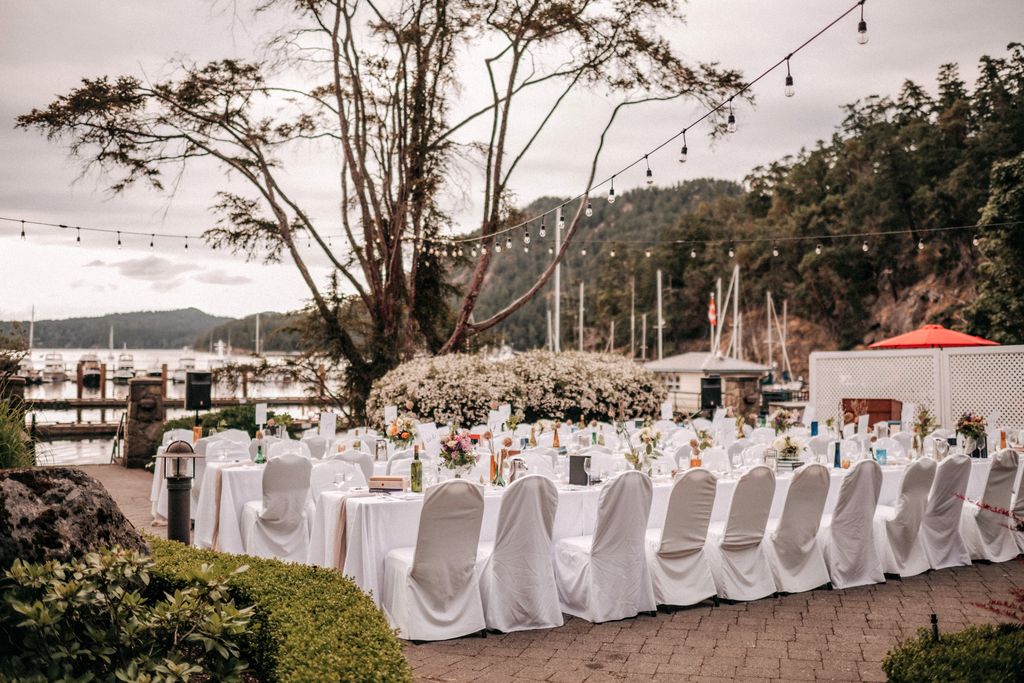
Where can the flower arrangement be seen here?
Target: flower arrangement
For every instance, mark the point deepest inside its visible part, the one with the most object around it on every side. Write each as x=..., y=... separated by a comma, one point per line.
x=457, y=451
x=703, y=441
x=514, y=420
x=782, y=420
x=924, y=423
x=788, y=447
x=401, y=432
x=642, y=458
x=971, y=425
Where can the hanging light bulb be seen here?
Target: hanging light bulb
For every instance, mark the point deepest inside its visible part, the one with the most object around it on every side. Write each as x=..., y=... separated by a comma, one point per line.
x=508, y=242
x=561, y=221
x=526, y=236
x=612, y=253
x=650, y=173
x=583, y=251
x=732, y=252
x=472, y=252
x=186, y=241
x=543, y=230
x=817, y=249
x=497, y=247
x=611, y=191
x=23, y=231
x=461, y=252
x=647, y=253
x=551, y=250
x=118, y=239
x=78, y=237
x=684, y=151
x=483, y=249
x=790, y=90
x=731, y=121
x=693, y=253
x=862, y=27
x=920, y=244
x=526, y=248
x=775, y=250
x=151, y=238
x=974, y=241
x=590, y=209
x=864, y=246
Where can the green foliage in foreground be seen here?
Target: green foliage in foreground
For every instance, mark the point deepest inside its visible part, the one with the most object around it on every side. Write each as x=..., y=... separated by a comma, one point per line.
x=309, y=623
x=15, y=446
x=98, y=619
x=232, y=417
x=994, y=654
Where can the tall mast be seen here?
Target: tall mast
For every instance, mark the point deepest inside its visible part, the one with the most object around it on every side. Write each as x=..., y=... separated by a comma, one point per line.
x=558, y=282
x=581, y=315
x=632, y=317
x=257, y=334
x=661, y=320
x=32, y=329
x=643, y=337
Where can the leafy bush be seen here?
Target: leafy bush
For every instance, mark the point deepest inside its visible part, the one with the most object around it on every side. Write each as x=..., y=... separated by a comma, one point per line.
x=978, y=653
x=232, y=417
x=308, y=624
x=459, y=388
x=98, y=619
x=15, y=445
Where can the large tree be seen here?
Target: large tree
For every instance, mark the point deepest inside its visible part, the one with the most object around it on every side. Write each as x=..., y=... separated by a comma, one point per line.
x=384, y=89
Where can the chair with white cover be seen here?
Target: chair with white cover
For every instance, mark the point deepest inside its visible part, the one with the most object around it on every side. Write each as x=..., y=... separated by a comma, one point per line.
x=987, y=533
x=403, y=466
x=604, y=577
x=200, y=446
x=239, y=436
x=317, y=445
x=267, y=440
x=363, y=460
x=791, y=543
x=754, y=455
x=762, y=435
x=847, y=535
x=735, y=548
x=893, y=448
x=286, y=446
x=278, y=525
x=904, y=439
x=517, y=580
x=701, y=423
x=1018, y=509
x=680, y=573
x=405, y=454
x=682, y=455
x=940, y=527
x=716, y=460
x=849, y=430
x=431, y=591
x=898, y=527
x=327, y=473
x=176, y=435
x=538, y=463
x=818, y=445
x=737, y=447
x=222, y=449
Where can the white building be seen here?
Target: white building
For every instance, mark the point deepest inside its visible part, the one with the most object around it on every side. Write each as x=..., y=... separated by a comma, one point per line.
x=685, y=374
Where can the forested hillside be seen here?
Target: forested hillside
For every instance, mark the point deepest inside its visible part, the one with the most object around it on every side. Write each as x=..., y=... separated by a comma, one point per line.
x=143, y=329
x=909, y=166
x=276, y=333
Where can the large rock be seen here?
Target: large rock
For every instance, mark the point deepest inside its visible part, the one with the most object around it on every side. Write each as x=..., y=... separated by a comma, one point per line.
x=58, y=513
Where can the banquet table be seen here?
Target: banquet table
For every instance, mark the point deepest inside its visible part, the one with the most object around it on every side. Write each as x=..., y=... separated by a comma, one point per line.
x=374, y=525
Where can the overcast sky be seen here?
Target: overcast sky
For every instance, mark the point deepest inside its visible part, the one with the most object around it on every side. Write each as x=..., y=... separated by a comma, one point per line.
x=46, y=46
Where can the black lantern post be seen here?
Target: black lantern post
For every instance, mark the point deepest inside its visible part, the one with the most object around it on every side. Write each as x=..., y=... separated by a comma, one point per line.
x=179, y=470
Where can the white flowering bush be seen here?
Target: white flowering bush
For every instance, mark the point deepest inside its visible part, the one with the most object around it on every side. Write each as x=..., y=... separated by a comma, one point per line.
x=461, y=388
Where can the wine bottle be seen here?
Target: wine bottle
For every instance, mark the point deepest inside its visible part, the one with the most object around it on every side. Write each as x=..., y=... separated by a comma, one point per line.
x=416, y=471
x=261, y=455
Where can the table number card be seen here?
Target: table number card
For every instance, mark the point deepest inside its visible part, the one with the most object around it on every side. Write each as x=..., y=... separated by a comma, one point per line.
x=666, y=410
x=862, y=424
x=505, y=411
x=328, y=423
x=261, y=414
x=390, y=414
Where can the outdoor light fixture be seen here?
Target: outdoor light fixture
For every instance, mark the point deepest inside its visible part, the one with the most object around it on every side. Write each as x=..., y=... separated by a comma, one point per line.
x=611, y=191
x=497, y=247
x=508, y=242
x=179, y=470
x=583, y=251
x=551, y=250
x=78, y=237
x=561, y=221
x=864, y=246
x=590, y=209
x=118, y=239
x=775, y=250
x=862, y=27
x=151, y=238
x=526, y=236
x=790, y=91
x=683, y=151
x=186, y=241
x=612, y=253
x=731, y=121
x=920, y=245
x=526, y=249
x=693, y=253
x=732, y=252
x=817, y=249
x=974, y=241
x=543, y=229
x=650, y=173
x=647, y=253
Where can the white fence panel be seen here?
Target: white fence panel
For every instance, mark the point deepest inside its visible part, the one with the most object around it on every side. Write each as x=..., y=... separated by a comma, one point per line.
x=983, y=379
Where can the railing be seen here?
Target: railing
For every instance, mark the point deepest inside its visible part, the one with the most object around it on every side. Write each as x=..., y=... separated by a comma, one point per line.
x=116, y=457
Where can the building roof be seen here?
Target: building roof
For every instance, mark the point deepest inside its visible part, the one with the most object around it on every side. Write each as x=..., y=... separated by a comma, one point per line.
x=706, y=363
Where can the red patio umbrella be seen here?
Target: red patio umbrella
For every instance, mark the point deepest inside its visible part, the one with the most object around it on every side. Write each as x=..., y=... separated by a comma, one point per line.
x=931, y=336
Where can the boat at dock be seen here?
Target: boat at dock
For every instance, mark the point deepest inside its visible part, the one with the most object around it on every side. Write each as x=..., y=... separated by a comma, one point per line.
x=125, y=368
x=27, y=370
x=54, y=369
x=91, y=373
x=185, y=365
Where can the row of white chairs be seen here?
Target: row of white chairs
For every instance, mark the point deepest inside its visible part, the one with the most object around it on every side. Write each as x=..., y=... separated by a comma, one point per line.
x=449, y=585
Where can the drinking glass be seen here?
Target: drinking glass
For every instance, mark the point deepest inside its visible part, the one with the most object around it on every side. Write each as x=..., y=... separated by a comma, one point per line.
x=586, y=468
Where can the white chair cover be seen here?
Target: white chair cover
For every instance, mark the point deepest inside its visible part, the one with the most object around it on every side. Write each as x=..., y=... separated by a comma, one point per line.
x=893, y=448
x=737, y=447
x=904, y=439
x=762, y=435
x=431, y=591
x=701, y=423
x=940, y=528
x=897, y=528
x=226, y=450
x=847, y=534
x=278, y=526
x=287, y=446
x=1018, y=508
x=716, y=460
x=176, y=435
x=735, y=549
x=324, y=474
x=400, y=455
x=680, y=574
x=604, y=577
x=267, y=440
x=794, y=553
x=517, y=580
x=754, y=455
x=239, y=436
x=200, y=446
x=403, y=466
x=818, y=445
x=682, y=455
x=987, y=533
x=363, y=460
x=317, y=446
x=849, y=430
x=538, y=463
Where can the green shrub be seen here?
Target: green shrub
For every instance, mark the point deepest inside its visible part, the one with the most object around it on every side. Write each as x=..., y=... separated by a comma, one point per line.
x=309, y=623
x=232, y=417
x=15, y=445
x=98, y=619
x=994, y=654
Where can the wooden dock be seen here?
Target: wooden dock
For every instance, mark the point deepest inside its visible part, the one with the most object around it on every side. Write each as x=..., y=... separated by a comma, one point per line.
x=114, y=403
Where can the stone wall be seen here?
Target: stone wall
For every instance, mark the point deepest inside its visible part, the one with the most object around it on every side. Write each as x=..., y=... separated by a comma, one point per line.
x=146, y=416
x=742, y=394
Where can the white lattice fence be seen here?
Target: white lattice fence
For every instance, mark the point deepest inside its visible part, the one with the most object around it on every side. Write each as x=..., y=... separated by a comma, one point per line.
x=948, y=381
x=911, y=376
x=985, y=379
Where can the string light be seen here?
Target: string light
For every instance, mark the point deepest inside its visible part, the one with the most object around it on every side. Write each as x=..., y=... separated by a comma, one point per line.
x=775, y=250
x=23, y=231
x=497, y=247
x=526, y=248
x=650, y=173
x=612, y=253
x=862, y=27
x=461, y=252
x=78, y=237
x=683, y=152
x=508, y=242
x=151, y=238
x=583, y=251
x=186, y=242
x=551, y=250
x=647, y=253
x=611, y=191
x=731, y=121
x=974, y=240
x=472, y=252
x=590, y=209
x=693, y=253
x=817, y=249
x=790, y=90
x=526, y=236
x=561, y=221
x=543, y=229
x=483, y=249
x=920, y=244
x=118, y=239
x=864, y=246
x=732, y=252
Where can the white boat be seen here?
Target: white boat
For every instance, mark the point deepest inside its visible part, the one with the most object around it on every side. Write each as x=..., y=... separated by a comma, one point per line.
x=125, y=368
x=54, y=369
x=185, y=364
x=28, y=370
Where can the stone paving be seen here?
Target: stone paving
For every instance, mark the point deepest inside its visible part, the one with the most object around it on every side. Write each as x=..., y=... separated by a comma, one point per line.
x=819, y=635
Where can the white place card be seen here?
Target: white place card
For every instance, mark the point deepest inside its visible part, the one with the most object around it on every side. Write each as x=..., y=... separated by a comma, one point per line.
x=809, y=415
x=328, y=423
x=261, y=414
x=908, y=414
x=390, y=414
x=427, y=431
x=719, y=415
x=505, y=411
x=666, y=410
x=862, y=424
x=493, y=419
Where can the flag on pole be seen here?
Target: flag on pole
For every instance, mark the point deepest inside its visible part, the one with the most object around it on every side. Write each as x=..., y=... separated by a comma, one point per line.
x=712, y=313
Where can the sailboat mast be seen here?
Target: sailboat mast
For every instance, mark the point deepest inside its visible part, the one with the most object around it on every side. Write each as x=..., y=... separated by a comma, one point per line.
x=257, y=334
x=32, y=330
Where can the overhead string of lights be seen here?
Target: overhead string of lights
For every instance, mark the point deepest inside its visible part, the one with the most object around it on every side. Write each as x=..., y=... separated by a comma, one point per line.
x=451, y=246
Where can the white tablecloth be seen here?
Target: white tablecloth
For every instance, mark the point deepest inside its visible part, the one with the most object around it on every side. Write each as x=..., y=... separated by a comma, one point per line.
x=376, y=525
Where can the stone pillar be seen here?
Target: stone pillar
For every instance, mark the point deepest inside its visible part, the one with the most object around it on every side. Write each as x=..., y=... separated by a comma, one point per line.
x=146, y=415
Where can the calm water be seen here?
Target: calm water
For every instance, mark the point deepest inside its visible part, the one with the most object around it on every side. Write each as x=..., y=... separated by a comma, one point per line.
x=89, y=451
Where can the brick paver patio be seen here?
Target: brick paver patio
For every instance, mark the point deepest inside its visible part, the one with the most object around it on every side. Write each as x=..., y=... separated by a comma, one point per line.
x=820, y=635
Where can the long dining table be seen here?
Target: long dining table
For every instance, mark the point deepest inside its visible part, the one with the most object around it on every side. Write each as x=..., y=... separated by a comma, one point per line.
x=355, y=531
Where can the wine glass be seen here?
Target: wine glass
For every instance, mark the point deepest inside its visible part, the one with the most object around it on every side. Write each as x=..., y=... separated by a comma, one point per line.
x=586, y=468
